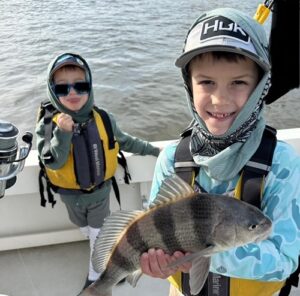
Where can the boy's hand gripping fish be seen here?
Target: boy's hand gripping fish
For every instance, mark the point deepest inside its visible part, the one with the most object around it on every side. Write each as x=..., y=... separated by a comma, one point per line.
x=178, y=220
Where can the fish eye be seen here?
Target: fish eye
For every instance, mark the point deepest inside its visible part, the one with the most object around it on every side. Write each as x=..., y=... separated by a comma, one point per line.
x=252, y=227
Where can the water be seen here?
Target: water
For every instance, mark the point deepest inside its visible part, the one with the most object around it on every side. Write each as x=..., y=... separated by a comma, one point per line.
x=131, y=47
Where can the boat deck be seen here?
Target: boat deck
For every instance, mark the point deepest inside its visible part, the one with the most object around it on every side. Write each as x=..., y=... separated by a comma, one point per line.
x=60, y=270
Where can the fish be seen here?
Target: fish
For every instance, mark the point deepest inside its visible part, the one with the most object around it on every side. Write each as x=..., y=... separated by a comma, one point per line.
x=179, y=219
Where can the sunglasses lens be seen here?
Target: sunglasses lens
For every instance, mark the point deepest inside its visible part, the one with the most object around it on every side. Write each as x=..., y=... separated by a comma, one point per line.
x=61, y=89
x=82, y=87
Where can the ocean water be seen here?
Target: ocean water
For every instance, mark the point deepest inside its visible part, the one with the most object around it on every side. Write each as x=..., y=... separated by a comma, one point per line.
x=131, y=47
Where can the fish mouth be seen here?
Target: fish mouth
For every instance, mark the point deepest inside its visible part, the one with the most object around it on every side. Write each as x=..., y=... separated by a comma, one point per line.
x=261, y=238
x=266, y=225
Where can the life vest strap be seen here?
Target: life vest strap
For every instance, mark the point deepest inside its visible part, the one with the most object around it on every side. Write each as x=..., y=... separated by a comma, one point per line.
x=108, y=127
x=257, y=168
x=293, y=280
x=184, y=165
x=123, y=163
x=75, y=191
x=48, y=124
x=116, y=190
x=42, y=175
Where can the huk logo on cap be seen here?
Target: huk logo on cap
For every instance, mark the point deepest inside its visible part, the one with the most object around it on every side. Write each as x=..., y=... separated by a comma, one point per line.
x=221, y=26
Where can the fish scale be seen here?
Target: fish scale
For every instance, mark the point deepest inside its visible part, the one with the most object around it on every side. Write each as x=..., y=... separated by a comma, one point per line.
x=179, y=219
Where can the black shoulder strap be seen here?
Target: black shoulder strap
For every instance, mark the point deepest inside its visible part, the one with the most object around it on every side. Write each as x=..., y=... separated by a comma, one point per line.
x=253, y=173
x=111, y=144
x=184, y=165
x=49, y=187
x=258, y=167
x=186, y=169
x=121, y=158
x=123, y=163
x=45, y=105
x=47, y=111
x=116, y=190
x=293, y=280
x=108, y=127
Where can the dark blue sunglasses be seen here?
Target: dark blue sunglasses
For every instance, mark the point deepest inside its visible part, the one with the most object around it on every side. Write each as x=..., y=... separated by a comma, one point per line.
x=62, y=90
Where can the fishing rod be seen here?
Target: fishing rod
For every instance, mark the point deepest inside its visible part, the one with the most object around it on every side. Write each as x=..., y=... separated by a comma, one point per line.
x=263, y=11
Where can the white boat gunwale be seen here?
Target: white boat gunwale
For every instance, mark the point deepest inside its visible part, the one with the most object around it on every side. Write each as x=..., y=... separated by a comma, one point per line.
x=24, y=223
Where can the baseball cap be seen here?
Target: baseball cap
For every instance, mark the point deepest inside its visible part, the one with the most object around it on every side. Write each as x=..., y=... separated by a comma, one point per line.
x=219, y=33
x=68, y=59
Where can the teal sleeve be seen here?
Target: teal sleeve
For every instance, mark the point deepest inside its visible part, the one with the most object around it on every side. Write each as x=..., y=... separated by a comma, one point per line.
x=132, y=144
x=275, y=258
x=164, y=168
x=60, y=145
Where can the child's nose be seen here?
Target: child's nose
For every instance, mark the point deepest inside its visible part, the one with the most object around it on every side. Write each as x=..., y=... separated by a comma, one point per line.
x=220, y=96
x=72, y=90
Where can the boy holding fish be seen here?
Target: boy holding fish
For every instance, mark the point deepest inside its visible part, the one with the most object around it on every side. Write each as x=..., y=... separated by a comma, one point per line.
x=78, y=146
x=226, y=71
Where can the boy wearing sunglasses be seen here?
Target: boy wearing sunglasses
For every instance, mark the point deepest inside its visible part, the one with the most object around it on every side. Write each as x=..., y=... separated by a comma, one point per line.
x=81, y=158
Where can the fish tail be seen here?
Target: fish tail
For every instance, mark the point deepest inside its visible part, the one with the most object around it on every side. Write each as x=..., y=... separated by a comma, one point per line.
x=92, y=291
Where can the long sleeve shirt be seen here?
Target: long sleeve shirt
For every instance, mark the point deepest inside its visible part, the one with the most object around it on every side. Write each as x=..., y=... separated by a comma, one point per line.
x=275, y=258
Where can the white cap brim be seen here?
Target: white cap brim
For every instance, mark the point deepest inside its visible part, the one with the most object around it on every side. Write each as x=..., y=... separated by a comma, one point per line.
x=65, y=60
x=205, y=38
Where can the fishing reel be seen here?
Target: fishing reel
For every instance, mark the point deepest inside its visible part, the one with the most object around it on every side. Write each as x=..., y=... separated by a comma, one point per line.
x=9, y=165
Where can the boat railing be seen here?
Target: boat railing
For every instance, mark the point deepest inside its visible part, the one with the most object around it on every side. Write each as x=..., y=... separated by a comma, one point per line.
x=24, y=223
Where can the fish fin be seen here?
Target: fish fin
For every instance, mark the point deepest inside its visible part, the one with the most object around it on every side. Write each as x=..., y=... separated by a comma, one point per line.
x=133, y=278
x=172, y=188
x=191, y=257
x=198, y=274
x=110, y=235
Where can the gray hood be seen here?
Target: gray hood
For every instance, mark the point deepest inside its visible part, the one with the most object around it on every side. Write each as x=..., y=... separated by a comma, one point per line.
x=251, y=42
x=84, y=113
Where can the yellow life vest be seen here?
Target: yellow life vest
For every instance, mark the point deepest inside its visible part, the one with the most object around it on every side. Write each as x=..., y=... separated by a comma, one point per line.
x=185, y=168
x=65, y=176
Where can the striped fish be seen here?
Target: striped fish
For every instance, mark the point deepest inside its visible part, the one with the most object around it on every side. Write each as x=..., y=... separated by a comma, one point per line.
x=179, y=220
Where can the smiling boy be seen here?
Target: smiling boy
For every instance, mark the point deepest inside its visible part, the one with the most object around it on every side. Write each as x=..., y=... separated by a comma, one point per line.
x=226, y=72
x=221, y=87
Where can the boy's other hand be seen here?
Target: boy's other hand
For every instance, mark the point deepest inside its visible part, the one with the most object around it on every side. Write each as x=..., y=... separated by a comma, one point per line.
x=65, y=122
x=154, y=263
